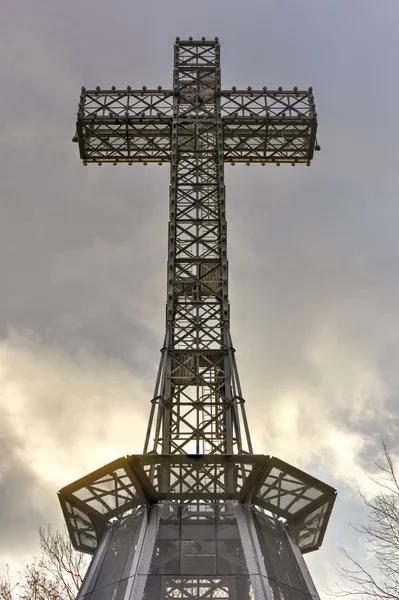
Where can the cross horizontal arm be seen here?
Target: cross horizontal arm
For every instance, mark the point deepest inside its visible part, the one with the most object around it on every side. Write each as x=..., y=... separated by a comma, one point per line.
x=269, y=125
x=135, y=125
x=121, y=103
x=273, y=103
x=115, y=103
x=124, y=125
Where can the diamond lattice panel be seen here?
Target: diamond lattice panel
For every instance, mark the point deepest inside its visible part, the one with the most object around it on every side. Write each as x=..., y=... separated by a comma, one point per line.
x=305, y=502
x=112, y=491
x=310, y=529
x=81, y=527
x=91, y=502
x=201, y=477
x=284, y=491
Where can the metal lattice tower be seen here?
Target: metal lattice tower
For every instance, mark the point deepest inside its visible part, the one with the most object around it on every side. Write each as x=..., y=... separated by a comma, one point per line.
x=198, y=515
x=198, y=408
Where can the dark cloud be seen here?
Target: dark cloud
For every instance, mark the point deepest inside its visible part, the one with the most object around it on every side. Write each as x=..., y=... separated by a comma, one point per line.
x=314, y=254
x=25, y=502
x=62, y=414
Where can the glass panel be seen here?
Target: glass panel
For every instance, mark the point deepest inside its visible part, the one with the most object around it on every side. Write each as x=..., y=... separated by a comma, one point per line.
x=166, y=587
x=115, y=591
x=198, y=547
x=115, y=559
x=165, y=558
x=198, y=539
x=230, y=554
x=280, y=562
x=285, y=491
x=108, y=579
x=311, y=527
x=281, y=591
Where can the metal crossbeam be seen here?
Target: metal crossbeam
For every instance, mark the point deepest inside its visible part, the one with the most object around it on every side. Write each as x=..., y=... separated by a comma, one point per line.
x=135, y=125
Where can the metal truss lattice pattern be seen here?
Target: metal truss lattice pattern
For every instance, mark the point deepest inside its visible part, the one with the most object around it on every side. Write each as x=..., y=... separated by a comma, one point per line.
x=197, y=460
x=198, y=407
x=199, y=588
x=136, y=126
x=138, y=480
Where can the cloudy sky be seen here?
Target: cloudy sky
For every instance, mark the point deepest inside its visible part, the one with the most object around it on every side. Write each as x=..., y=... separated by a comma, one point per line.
x=314, y=252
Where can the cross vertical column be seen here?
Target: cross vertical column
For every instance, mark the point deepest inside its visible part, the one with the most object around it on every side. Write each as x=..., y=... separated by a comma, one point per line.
x=196, y=410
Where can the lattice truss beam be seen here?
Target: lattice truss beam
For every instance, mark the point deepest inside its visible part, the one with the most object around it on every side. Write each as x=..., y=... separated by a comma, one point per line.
x=197, y=406
x=137, y=125
x=272, y=485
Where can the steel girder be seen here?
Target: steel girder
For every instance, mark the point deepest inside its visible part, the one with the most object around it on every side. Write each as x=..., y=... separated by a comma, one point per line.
x=136, y=125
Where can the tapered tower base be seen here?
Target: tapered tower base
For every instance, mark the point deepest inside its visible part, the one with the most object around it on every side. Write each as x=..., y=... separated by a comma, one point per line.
x=210, y=551
x=241, y=537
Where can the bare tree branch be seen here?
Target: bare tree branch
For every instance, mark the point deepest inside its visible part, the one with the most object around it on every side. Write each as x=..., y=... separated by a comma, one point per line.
x=57, y=575
x=381, y=535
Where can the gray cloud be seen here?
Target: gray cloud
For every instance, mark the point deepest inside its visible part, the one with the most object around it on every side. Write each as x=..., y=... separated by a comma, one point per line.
x=62, y=414
x=313, y=252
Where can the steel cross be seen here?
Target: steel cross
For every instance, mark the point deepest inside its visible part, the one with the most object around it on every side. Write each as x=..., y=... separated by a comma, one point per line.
x=198, y=406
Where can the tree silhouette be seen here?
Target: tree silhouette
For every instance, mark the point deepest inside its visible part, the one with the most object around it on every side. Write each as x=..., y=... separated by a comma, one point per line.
x=56, y=575
x=381, y=536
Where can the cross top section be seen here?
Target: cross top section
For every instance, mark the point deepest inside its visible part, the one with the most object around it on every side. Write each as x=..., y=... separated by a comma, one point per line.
x=258, y=125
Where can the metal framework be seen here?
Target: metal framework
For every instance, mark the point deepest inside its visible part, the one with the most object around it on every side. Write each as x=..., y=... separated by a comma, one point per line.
x=304, y=502
x=198, y=405
x=136, y=125
x=197, y=452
